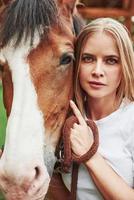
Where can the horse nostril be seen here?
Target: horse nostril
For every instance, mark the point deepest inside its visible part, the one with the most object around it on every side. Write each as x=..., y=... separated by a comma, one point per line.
x=40, y=182
x=37, y=172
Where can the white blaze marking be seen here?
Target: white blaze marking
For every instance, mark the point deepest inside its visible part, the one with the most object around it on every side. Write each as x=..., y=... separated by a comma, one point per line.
x=25, y=134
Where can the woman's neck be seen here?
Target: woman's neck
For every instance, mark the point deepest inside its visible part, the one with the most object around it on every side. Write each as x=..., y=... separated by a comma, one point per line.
x=100, y=108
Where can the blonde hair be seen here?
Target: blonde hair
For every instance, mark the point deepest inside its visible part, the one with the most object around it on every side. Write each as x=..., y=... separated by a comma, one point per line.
x=124, y=44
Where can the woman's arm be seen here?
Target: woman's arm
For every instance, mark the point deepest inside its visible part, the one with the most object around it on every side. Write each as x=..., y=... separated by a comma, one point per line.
x=110, y=184
x=107, y=181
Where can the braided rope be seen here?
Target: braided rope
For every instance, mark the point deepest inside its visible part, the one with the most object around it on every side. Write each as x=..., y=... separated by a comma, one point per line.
x=68, y=157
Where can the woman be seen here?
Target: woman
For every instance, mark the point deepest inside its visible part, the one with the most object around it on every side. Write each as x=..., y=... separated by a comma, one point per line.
x=104, y=92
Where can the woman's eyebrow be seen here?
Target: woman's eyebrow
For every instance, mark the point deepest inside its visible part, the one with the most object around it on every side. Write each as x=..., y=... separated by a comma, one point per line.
x=113, y=56
x=85, y=53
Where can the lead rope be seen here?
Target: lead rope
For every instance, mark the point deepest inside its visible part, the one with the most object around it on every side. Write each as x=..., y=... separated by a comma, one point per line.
x=70, y=158
x=74, y=181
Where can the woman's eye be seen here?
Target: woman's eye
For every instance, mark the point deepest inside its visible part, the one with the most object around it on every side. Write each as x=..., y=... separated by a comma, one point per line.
x=112, y=61
x=66, y=59
x=87, y=59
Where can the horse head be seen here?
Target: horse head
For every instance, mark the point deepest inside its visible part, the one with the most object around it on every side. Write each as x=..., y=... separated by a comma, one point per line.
x=37, y=53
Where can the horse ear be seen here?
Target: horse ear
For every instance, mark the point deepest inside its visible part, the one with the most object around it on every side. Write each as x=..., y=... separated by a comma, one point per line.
x=70, y=4
x=67, y=6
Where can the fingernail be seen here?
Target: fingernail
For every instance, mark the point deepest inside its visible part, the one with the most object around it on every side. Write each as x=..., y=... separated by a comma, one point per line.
x=71, y=101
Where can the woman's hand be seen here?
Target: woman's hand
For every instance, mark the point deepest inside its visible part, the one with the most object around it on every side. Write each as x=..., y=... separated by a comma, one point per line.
x=81, y=135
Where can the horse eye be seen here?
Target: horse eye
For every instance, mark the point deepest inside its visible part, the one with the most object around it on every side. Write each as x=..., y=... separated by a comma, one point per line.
x=66, y=59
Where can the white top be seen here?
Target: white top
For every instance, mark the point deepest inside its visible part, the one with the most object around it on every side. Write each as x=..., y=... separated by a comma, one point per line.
x=116, y=145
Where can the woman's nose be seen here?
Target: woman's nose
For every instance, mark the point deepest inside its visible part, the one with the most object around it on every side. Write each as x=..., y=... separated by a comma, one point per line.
x=98, y=69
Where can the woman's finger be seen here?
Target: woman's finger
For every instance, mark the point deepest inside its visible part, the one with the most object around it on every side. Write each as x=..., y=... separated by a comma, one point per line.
x=77, y=113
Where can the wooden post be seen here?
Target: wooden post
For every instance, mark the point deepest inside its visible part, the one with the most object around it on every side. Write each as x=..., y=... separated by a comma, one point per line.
x=127, y=11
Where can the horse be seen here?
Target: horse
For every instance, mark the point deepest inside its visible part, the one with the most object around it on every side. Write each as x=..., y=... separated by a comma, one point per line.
x=36, y=54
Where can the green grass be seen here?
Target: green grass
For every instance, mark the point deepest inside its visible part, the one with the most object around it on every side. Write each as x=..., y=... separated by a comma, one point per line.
x=1, y=197
x=2, y=125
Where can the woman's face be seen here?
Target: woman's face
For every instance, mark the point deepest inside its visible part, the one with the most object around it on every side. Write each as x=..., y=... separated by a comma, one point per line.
x=100, y=66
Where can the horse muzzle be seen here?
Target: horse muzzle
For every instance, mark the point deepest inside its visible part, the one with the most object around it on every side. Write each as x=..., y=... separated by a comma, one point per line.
x=32, y=186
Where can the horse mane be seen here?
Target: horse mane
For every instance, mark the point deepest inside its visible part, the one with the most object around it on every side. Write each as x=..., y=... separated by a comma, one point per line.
x=23, y=17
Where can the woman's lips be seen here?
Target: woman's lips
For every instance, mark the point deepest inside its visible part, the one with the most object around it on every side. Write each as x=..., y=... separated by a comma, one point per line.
x=96, y=84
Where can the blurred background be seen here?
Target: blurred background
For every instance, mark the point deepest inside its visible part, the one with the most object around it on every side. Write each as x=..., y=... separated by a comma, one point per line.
x=122, y=10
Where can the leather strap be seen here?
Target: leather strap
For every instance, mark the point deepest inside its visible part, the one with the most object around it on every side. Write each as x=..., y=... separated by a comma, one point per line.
x=74, y=181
